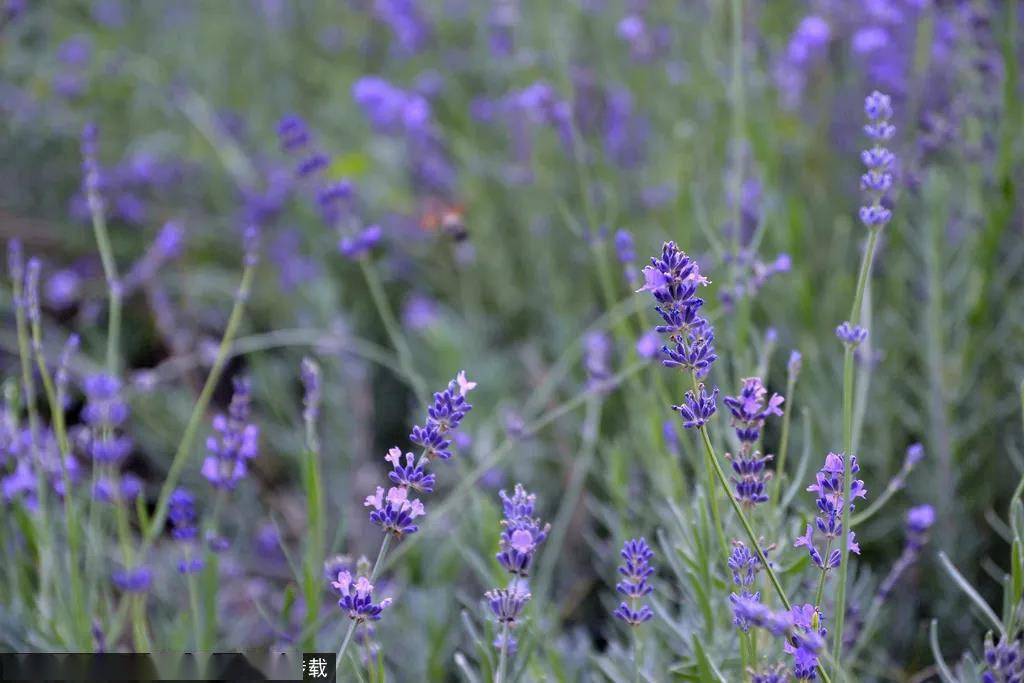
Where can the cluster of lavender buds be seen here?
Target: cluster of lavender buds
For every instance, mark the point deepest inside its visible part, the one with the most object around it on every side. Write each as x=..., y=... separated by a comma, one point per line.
x=357, y=598
x=104, y=414
x=181, y=510
x=635, y=571
x=394, y=111
x=743, y=566
x=829, y=490
x=917, y=523
x=800, y=627
x=235, y=443
x=522, y=534
x=395, y=511
x=135, y=580
x=1003, y=661
x=878, y=179
x=775, y=674
x=851, y=335
x=752, y=276
x=673, y=279
x=625, y=254
x=748, y=411
x=807, y=46
x=334, y=199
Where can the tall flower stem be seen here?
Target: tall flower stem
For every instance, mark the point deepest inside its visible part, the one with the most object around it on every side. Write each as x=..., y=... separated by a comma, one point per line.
x=777, y=586
x=502, y=653
x=315, y=543
x=99, y=222
x=385, y=542
x=848, y=439
x=181, y=455
x=81, y=613
x=713, y=498
x=29, y=388
x=784, y=439
x=637, y=650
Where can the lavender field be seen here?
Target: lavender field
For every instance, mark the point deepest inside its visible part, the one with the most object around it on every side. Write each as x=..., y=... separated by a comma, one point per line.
x=505, y=341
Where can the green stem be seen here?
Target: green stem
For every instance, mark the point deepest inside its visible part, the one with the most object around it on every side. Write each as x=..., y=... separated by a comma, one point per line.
x=73, y=529
x=352, y=626
x=500, y=674
x=848, y=437
x=784, y=440
x=197, y=618
x=315, y=544
x=713, y=498
x=110, y=273
x=29, y=387
x=749, y=531
x=181, y=456
x=637, y=653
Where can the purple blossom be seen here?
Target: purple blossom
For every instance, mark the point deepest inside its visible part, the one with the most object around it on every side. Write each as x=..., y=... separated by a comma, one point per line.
x=309, y=373
x=354, y=246
x=829, y=490
x=878, y=179
x=748, y=412
x=1003, y=661
x=697, y=409
x=235, y=442
x=135, y=580
x=507, y=603
x=357, y=598
x=394, y=512
x=104, y=414
x=522, y=533
x=851, y=335
x=411, y=474
x=743, y=565
x=444, y=415
x=635, y=571
x=673, y=279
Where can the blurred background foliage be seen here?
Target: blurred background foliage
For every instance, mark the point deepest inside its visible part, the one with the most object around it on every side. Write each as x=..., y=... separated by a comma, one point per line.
x=187, y=96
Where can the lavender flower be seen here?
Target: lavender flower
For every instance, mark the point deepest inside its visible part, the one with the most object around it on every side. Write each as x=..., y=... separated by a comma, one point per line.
x=806, y=638
x=104, y=414
x=443, y=417
x=135, y=580
x=181, y=510
x=851, y=335
x=357, y=598
x=673, y=279
x=597, y=348
x=411, y=475
x=749, y=411
x=635, y=571
x=507, y=603
x=522, y=533
x=794, y=364
x=1003, y=661
x=394, y=512
x=829, y=490
x=235, y=443
x=917, y=523
x=697, y=409
x=31, y=291
x=878, y=179
x=126, y=490
x=805, y=48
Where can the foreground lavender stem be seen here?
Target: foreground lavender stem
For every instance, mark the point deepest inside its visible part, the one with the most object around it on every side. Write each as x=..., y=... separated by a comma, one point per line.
x=188, y=437
x=876, y=182
x=90, y=167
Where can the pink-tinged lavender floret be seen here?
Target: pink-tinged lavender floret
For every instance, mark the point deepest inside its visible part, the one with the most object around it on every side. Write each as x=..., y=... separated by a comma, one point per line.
x=235, y=442
x=357, y=598
x=395, y=511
